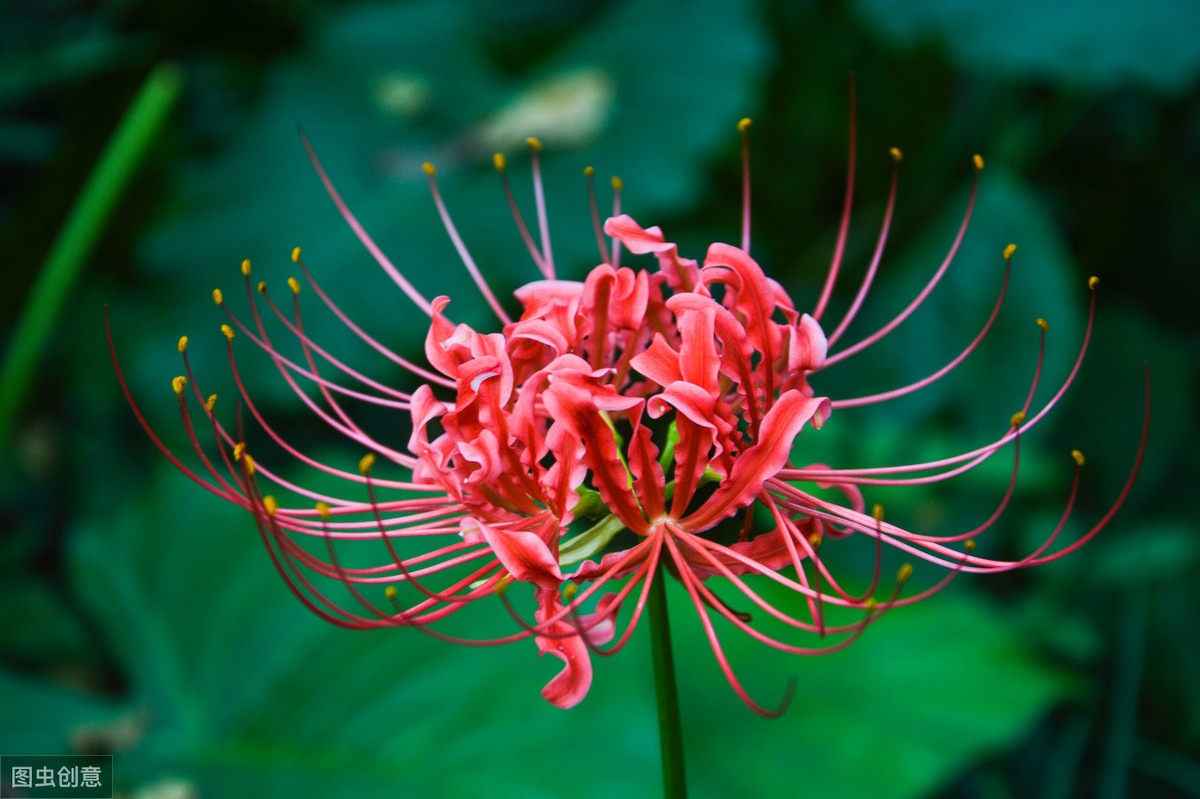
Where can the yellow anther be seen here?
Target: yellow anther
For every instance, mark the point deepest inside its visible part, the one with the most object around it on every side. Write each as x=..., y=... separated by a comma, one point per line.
x=211, y=403
x=366, y=462
x=588, y=171
x=533, y=143
x=499, y=161
x=617, y=183
x=1043, y=324
x=429, y=168
x=248, y=464
x=228, y=331
x=323, y=511
x=978, y=159
x=270, y=505
x=390, y=593
x=877, y=512
x=218, y=298
x=969, y=545
x=294, y=285
x=1093, y=281
x=503, y=584
x=179, y=384
x=183, y=343
x=246, y=267
x=1009, y=250
x=903, y=573
x=1078, y=456
x=239, y=450
x=897, y=156
x=1017, y=419
x=744, y=123
x=571, y=590
x=262, y=287
x=295, y=255
x=814, y=540
x=870, y=605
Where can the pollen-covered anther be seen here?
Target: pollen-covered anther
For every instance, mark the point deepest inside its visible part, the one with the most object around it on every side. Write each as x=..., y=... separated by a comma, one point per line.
x=534, y=143
x=270, y=505
x=179, y=384
x=1009, y=250
x=246, y=267
x=499, y=161
x=896, y=155
x=1043, y=324
x=589, y=171
x=744, y=123
x=969, y=545
x=294, y=285
x=1017, y=419
x=210, y=403
x=248, y=464
x=814, y=540
x=228, y=331
x=365, y=463
x=617, y=183
x=390, y=592
x=295, y=255
x=502, y=584
x=262, y=287
x=429, y=169
x=323, y=511
x=218, y=298
x=1078, y=456
x=239, y=450
x=1093, y=281
x=978, y=161
x=903, y=573
x=183, y=343
x=570, y=590
x=877, y=512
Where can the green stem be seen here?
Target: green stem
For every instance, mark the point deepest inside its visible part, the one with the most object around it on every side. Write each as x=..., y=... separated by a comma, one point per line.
x=670, y=732
x=97, y=200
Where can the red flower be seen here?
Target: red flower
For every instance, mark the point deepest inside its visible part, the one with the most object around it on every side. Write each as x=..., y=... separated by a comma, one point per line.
x=634, y=420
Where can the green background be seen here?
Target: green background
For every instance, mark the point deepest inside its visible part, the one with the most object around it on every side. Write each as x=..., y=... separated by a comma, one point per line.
x=139, y=615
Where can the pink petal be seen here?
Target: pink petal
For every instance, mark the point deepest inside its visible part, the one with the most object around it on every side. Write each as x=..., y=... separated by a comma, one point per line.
x=779, y=428
x=523, y=554
x=569, y=686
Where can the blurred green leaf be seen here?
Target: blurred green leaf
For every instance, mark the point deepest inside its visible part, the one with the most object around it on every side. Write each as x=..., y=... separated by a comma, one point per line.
x=928, y=690
x=1084, y=42
x=36, y=625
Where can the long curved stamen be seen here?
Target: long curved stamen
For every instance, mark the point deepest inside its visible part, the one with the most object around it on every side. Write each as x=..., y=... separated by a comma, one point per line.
x=877, y=256
x=501, y=164
x=617, y=185
x=929, y=287
x=456, y=240
x=597, y=226
x=847, y=205
x=744, y=129
x=424, y=374
x=945, y=370
x=366, y=240
x=539, y=196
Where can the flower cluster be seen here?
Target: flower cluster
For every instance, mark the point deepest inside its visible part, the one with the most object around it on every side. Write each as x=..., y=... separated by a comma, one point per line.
x=633, y=425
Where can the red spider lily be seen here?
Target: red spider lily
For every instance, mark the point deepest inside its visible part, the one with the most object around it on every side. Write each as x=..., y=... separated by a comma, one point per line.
x=633, y=420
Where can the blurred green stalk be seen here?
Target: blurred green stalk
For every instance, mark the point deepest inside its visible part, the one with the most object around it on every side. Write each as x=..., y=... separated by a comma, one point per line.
x=92, y=209
x=670, y=730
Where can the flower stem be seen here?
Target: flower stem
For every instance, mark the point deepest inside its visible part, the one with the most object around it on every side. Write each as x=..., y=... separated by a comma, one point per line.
x=670, y=732
x=125, y=151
